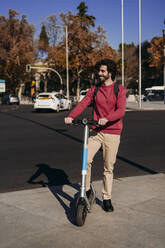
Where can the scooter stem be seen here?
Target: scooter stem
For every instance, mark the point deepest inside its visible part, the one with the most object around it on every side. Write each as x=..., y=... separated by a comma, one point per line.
x=84, y=160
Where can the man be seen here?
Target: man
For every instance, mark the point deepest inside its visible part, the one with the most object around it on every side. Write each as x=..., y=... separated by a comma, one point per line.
x=108, y=111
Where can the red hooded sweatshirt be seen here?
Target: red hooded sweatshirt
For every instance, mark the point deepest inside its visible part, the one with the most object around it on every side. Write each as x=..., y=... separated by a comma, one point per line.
x=107, y=105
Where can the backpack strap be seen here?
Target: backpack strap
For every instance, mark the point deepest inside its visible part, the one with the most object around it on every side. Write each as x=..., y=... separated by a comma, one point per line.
x=116, y=88
x=95, y=92
x=116, y=91
x=94, y=95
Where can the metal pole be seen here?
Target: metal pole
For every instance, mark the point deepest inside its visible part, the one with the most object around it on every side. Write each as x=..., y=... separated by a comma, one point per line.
x=164, y=65
x=122, y=20
x=164, y=68
x=47, y=68
x=164, y=61
x=67, y=70
x=140, y=76
x=67, y=63
x=164, y=55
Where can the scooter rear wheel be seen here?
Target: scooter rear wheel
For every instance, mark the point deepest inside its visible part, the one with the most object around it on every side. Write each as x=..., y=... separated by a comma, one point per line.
x=81, y=213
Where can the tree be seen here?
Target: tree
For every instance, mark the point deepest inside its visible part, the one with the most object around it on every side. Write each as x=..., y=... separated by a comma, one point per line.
x=86, y=46
x=148, y=72
x=43, y=39
x=52, y=29
x=16, y=49
x=82, y=14
x=101, y=48
x=156, y=52
x=130, y=62
x=156, y=59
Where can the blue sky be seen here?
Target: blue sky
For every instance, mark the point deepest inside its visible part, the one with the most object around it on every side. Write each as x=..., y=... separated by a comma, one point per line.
x=107, y=13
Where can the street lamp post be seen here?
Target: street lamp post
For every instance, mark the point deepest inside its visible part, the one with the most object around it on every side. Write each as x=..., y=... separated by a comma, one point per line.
x=122, y=25
x=140, y=76
x=164, y=61
x=67, y=70
x=164, y=55
x=67, y=63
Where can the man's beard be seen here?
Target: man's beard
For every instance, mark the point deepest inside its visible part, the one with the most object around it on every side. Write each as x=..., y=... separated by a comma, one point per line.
x=104, y=78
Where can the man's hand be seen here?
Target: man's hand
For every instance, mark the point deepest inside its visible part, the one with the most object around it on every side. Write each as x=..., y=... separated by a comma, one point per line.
x=68, y=120
x=102, y=121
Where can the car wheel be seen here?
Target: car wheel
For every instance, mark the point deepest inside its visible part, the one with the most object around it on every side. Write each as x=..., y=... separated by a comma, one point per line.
x=38, y=110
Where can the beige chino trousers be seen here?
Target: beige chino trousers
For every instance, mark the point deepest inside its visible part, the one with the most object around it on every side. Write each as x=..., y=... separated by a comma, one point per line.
x=110, y=144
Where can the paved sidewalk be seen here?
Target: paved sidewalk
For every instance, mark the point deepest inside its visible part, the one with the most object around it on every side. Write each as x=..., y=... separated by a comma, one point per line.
x=44, y=218
x=154, y=105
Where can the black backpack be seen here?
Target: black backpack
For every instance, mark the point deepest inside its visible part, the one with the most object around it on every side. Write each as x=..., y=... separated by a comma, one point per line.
x=115, y=89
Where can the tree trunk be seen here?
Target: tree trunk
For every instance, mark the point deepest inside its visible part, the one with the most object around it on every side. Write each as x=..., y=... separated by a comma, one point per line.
x=45, y=83
x=78, y=86
x=45, y=86
x=19, y=91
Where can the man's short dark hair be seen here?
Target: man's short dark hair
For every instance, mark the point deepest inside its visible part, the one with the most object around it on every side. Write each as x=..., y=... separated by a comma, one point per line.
x=111, y=66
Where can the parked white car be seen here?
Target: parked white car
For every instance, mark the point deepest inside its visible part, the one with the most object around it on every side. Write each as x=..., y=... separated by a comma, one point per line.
x=55, y=101
x=10, y=99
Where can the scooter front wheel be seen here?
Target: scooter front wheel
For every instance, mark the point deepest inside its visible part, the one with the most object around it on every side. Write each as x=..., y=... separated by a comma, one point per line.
x=81, y=213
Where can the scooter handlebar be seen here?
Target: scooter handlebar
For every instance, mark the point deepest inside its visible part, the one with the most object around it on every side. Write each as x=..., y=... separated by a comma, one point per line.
x=85, y=121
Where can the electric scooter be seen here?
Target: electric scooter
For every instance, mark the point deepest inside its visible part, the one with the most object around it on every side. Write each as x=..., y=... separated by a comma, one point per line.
x=84, y=203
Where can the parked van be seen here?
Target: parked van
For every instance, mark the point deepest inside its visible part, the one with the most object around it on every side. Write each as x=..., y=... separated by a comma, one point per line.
x=155, y=93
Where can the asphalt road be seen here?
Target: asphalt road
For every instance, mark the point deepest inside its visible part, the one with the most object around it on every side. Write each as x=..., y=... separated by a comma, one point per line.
x=41, y=146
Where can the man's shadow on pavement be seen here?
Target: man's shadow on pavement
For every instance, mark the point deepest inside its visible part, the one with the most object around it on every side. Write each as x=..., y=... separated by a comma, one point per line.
x=56, y=179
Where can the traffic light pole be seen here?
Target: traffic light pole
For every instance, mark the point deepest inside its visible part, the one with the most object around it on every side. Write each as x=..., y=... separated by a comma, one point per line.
x=29, y=67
